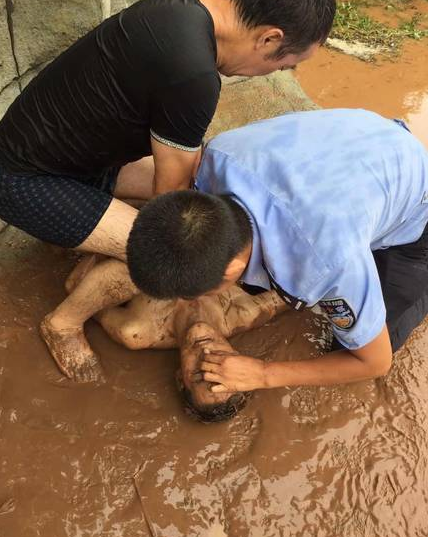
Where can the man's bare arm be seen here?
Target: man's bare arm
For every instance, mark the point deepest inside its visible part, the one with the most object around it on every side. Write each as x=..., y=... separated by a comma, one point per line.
x=174, y=168
x=241, y=373
x=338, y=367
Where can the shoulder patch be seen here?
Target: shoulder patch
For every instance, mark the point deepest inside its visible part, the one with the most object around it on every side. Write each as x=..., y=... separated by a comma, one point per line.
x=339, y=312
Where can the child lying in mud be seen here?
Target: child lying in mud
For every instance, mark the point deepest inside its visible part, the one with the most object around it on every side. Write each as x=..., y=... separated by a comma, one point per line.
x=326, y=207
x=195, y=327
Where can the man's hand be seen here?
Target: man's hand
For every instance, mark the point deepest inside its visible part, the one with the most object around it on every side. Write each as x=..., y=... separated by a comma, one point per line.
x=241, y=373
x=233, y=373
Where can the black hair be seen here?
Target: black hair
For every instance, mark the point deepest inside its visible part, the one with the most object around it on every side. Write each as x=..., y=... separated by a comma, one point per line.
x=215, y=412
x=181, y=243
x=304, y=22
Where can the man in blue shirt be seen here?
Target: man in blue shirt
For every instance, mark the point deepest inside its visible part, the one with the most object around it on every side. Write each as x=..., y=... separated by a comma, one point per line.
x=327, y=207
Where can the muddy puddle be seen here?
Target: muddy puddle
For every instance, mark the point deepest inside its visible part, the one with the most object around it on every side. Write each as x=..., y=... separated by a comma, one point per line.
x=123, y=460
x=393, y=88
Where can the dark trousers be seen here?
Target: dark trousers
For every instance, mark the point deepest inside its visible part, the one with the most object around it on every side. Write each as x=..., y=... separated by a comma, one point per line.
x=403, y=273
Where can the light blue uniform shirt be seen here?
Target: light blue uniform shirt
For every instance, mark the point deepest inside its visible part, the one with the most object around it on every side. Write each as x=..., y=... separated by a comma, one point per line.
x=323, y=189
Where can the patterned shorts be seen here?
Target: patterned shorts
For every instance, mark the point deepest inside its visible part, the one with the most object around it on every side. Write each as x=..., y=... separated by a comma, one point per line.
x=56, y=209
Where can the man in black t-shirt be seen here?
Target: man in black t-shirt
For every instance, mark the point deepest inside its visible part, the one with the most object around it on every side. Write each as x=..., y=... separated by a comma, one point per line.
x=145, y=82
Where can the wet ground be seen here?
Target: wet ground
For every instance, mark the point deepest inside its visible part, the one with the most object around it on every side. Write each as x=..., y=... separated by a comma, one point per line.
x=391, y=86
x=123, y=460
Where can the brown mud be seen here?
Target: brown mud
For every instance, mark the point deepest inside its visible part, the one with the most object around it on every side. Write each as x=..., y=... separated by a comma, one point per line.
x=392, y=87
x=124, y=460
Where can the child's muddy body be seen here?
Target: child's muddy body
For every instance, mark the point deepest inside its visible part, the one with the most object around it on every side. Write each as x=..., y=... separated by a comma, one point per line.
x=124, y=458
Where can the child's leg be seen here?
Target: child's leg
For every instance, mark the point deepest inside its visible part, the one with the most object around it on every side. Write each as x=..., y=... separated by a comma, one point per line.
x=105, y=284
x=84, y=265
x=403, y=272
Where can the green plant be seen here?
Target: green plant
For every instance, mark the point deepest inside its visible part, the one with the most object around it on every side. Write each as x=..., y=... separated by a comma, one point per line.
x=352, y=25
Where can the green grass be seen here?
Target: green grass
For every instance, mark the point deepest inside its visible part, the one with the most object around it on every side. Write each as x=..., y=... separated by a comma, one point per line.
x=352, y=25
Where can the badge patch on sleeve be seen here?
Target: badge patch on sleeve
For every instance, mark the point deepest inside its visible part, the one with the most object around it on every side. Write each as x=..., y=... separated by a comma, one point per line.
x=339, y=312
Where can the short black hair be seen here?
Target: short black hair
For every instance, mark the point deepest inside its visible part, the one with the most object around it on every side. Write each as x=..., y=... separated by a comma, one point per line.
x=181, y=243
x=212, y=413
x=304, y=22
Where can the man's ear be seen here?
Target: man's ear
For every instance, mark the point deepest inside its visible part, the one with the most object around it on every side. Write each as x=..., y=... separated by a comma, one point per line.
x=234, y=269
x=269, y=39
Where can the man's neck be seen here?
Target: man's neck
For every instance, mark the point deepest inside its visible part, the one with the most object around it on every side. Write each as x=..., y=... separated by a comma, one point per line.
x=230, y=33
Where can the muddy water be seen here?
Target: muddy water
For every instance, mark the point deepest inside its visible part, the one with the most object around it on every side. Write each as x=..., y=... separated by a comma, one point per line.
x=391, y=88
x=123, y=460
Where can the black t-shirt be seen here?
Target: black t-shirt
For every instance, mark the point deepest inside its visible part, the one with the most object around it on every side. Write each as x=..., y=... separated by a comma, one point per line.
x=151, y=69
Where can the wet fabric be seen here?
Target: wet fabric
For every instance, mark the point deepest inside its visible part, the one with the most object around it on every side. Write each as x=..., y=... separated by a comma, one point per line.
x=149, y=70
x=60, y=210
x=324, y=189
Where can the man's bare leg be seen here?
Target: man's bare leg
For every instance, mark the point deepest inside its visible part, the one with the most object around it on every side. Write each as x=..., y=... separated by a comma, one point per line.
x=136, y=180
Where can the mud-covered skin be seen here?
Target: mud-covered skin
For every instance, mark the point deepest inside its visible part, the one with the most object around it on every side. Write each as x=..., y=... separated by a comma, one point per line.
x=68, y=345
x=70, y=348
x=146, y=323
x=143, y=323
x=200, y=401
x=72, y=353
x=201, y=336
x=80, y=270
x=200, y=324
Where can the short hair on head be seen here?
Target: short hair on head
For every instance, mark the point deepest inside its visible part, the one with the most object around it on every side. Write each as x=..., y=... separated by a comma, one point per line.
x=304, y=22
x=212, y=413
x=182, y=242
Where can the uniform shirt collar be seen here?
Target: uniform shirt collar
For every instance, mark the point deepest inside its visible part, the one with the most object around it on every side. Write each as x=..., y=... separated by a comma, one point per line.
x=254, y=273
